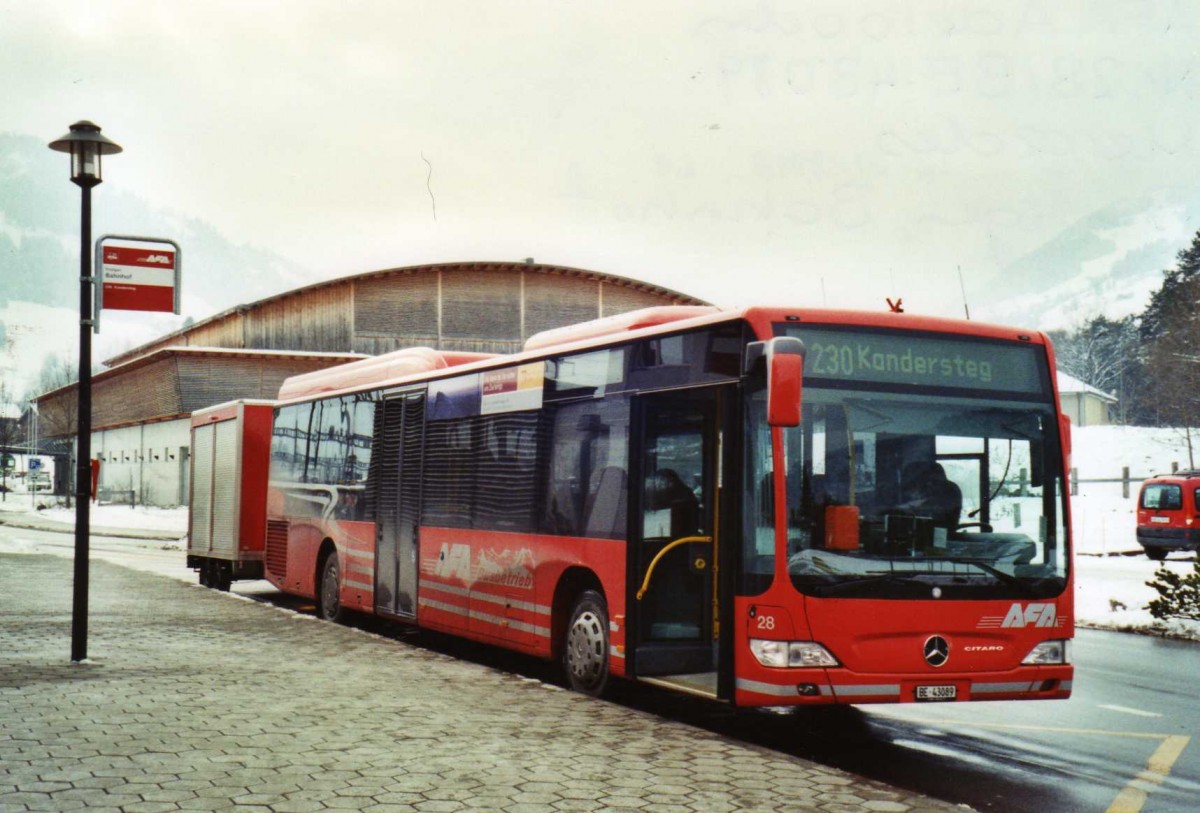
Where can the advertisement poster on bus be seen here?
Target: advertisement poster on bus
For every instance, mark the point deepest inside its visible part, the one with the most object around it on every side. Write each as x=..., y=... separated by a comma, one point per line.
x=513, y=389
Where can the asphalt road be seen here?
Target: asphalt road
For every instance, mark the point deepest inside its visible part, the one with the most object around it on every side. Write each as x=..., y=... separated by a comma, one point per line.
x=1128, y=741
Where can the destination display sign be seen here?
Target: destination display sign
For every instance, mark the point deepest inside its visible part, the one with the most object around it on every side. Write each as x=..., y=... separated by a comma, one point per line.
x=921, y=361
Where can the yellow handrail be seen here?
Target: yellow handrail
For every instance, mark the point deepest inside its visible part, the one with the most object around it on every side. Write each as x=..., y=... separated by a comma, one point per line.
x=683, y=540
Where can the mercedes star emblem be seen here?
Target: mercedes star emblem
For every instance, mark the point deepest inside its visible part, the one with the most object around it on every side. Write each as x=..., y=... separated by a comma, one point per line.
x=937, y=651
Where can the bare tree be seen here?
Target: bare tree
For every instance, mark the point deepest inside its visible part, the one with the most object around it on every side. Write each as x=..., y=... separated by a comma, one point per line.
x=1103, y=352
x=58, y=413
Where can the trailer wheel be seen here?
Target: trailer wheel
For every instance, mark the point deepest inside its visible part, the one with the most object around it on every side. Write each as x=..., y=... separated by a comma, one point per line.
x=329, y=602
x=222, y=577
x=585, y=649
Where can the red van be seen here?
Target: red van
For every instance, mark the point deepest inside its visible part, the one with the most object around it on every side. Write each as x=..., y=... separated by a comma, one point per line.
x=1168, y=516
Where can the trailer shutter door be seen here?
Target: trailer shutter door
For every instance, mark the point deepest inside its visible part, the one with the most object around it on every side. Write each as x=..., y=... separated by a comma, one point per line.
x=225, y=487
x=200, y=536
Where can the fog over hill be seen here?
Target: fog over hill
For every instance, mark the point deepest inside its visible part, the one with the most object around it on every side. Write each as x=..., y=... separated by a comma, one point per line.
x=1108, y=263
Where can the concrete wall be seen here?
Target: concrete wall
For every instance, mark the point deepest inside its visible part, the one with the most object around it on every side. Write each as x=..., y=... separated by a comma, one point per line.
x=1085, y=409
x=145, y=464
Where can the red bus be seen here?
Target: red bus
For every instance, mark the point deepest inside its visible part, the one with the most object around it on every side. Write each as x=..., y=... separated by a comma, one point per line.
x=764, y=506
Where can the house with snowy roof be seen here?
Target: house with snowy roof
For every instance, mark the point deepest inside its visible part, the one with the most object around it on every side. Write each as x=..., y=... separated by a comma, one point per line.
x=1086, y=405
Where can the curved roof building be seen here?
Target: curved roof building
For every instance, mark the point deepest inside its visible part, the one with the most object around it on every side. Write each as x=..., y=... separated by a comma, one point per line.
x=475, y=306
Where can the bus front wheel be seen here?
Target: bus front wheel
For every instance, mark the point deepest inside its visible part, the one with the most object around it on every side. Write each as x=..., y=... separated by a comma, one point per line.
x=585, y=650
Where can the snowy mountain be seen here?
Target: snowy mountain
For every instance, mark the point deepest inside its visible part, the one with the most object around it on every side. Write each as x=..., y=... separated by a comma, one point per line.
x=1106, y=264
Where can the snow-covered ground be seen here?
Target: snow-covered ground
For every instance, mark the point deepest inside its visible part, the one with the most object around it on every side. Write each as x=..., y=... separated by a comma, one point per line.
x=1110, y=575
x=1110, y=588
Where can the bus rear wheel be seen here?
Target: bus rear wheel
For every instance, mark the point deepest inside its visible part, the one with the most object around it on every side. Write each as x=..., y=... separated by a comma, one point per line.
x=329, y=591
x=585, y=649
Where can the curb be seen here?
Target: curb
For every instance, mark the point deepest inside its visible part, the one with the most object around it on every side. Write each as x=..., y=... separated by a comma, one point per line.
x=114, y=533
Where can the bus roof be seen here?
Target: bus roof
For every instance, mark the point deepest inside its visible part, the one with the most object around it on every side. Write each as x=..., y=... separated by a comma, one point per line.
x=417, y=363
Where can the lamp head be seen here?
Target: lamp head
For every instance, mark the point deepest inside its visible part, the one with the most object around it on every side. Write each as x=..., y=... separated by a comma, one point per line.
x=86, y=145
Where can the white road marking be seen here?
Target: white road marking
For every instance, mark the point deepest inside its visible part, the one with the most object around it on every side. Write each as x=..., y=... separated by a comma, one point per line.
x=1127, y=710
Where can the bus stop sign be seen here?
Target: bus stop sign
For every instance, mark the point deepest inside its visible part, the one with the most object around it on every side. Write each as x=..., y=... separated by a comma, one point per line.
x=138, y=273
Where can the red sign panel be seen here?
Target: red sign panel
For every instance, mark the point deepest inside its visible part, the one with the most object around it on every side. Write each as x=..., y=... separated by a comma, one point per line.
x=139, y=278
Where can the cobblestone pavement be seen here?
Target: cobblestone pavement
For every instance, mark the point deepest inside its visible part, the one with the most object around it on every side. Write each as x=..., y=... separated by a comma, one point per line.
x=197, y=700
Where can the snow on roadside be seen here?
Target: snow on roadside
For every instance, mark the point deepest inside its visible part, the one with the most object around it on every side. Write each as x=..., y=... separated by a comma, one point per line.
x=1111, y=571
x=142, y=518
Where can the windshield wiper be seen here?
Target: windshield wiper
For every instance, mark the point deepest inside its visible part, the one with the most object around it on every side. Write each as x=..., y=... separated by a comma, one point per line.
x=1000, y=575
x=904, y=580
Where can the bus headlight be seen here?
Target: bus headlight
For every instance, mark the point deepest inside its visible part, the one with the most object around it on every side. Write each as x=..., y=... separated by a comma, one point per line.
x=1049, y=652
x=800, y=654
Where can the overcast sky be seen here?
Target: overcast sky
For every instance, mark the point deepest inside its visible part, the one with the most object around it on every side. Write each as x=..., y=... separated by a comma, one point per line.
x=797, y=152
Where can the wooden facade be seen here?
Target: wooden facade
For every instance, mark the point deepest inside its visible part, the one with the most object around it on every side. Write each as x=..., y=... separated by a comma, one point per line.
x=480, y=307
x=173, y=383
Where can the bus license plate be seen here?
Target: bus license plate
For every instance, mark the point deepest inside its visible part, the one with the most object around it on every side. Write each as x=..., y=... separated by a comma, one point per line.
x=937, y=692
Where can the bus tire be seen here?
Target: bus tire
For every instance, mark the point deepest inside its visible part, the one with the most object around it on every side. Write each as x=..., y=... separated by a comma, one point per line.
x=329, y=596
x=585, y=647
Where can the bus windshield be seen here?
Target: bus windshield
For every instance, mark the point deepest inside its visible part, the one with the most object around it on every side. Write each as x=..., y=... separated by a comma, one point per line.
x=898, y=490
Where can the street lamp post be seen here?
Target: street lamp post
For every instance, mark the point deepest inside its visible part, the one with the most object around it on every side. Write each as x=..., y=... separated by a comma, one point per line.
x=86, y=146
x=32, y=428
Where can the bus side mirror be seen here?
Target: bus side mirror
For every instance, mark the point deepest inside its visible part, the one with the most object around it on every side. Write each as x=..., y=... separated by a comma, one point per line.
x=785, y=377
x=1064, y=428
x=783, y=357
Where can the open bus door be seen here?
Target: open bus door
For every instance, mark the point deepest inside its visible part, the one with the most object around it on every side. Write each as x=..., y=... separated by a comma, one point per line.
x=679, y=570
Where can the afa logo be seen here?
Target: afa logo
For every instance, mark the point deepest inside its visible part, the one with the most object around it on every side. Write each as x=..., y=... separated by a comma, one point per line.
x=454, y=562
x=510, y=568
x=1034, y=614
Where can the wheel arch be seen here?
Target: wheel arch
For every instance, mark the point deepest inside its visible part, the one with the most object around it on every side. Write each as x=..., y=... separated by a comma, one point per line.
x=573, y=582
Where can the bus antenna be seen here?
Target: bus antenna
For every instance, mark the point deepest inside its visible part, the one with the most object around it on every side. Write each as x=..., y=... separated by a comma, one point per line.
x=963, y=288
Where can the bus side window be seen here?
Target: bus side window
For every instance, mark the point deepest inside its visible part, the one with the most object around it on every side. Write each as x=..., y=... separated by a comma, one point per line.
x=607, y=505
x=586, y=493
